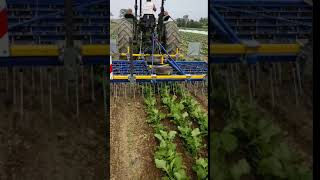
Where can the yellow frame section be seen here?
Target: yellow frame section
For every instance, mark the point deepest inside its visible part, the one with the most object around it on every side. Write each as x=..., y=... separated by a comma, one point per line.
x=53, y=50
x=223, y=49
x=161, y=77
x=162, y=56
x=155, y=55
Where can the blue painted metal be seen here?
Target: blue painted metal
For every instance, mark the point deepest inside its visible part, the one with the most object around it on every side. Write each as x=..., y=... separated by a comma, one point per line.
x=49, y=61
x=193, y=67
x=170, y=60
x=122, y=67
x=57, y=13
x=224, y=27
x=41, y=21
x=266, y=21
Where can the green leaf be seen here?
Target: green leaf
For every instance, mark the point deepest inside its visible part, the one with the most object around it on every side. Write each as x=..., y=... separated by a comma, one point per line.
x=158, y=136
x=229, y=142
x=185, y=114
x=196, y=132
x=240, y=169
x=180, y=175
x=172, y=135
x=202, y=162
x=164, y=134
x=271, y=166
x=161, y=164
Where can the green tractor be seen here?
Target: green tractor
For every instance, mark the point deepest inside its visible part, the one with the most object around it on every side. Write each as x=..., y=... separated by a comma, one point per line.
x=136, y=32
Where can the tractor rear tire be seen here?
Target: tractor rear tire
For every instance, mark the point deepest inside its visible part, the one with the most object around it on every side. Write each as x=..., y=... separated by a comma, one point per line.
x=173, y=39
x=125, y=34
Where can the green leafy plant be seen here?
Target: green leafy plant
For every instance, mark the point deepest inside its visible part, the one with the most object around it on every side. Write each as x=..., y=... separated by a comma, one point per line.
x=252, y=146
x=195, y=111
x=166, y=156
x=201, y=168
x=192, y=137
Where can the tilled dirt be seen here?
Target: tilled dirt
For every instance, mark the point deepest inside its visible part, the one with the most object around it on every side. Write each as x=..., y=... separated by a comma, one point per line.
x=39, y=148
x=132, y=142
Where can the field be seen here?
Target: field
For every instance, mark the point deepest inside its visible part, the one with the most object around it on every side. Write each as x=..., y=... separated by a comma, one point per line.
x=160, y=133
x=192, y=37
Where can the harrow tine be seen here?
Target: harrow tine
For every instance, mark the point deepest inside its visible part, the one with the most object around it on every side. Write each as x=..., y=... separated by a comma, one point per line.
x=158, y=88
x=142, y=91
x=7, y=80
x=272, y=87
x=67, y=91
x=32, y=79
x=77, y=94
x=280, y=72
x=82, y=78
x=295, y=84
x=125, y=90
x=21, y=94
x=204, y=89
x=253, y=79
x=92, y=84
x=41, y=88
x=228, y=87
x=276, y=79
x=233, y=81
x=134, y=91
x=249, y=84
x=58, y=77
x=258, y=73
x=14, y=85
x=116, y=91
x=299, y=77
x=50, y=94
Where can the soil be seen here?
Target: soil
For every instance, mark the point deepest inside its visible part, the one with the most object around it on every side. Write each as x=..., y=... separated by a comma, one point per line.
x=63, y=147
x=132, y=141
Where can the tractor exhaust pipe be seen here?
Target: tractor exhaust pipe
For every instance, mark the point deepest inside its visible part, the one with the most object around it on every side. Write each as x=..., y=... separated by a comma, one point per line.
x=140, y=8
x=136, y=8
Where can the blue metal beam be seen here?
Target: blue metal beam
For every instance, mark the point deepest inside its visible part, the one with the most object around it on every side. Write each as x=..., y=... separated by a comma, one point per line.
x=82, y=6
x=49, y=61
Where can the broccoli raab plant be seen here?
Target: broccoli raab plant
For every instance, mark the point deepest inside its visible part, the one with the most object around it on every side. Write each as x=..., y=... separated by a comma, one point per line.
x=166, y=156
x=192, y=137
x=194, y=110
x=201, y=168
x=250, y=147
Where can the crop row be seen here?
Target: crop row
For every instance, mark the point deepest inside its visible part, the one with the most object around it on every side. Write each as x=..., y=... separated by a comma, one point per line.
x=166, y=156
x=193, y=137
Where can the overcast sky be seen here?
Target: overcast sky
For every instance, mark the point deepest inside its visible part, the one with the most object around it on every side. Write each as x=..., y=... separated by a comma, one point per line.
x=177, y=8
